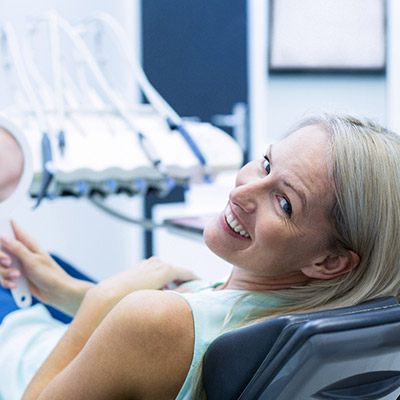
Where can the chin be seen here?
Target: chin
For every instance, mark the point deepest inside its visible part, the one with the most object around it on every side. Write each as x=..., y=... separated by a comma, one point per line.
x=214, y=241
x=212, y=237
x=209, y=233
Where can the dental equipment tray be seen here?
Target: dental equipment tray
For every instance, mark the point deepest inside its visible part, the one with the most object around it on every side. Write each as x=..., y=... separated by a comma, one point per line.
x=101, y=155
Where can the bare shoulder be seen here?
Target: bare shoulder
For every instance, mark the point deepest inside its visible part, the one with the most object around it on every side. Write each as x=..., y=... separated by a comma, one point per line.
x=156, y=330
x=163, y=313
x=142, y=350
x=158, y=307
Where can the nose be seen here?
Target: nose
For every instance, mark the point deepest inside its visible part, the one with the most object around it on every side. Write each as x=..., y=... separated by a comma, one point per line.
x=248, y=192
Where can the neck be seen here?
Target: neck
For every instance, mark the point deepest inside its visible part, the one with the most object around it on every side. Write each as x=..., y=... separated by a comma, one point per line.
x=244, y=280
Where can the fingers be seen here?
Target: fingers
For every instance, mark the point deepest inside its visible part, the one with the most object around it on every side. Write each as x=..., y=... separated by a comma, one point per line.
x=176, y=273
x=18, y=249
x=5, y=259
x=25, y=238
x=183, y=274
x=8, y=277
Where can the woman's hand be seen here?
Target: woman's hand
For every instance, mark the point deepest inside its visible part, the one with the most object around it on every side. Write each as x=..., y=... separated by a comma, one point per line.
x=147, y=274
x=47, y=280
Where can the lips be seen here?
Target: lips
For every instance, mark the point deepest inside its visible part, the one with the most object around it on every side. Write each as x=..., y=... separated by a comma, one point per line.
x=234, y=224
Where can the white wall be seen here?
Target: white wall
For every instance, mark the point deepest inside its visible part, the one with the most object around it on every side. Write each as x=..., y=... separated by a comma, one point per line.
x=73, y=228
x=292, y=97
x=393, y=65
x=278, y=101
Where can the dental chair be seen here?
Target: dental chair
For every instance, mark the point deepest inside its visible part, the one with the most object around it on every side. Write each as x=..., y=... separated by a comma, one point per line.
x=341, y=354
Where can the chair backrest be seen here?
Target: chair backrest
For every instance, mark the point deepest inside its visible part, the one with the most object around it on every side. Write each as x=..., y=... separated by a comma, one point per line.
x=352, y=357
x=238, y=361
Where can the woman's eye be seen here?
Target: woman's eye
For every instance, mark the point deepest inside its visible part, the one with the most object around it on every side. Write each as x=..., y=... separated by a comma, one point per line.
x=266, y=165
x=286, y=206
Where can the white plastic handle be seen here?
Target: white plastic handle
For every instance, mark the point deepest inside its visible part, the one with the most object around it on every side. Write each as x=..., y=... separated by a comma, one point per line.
x=21, y=293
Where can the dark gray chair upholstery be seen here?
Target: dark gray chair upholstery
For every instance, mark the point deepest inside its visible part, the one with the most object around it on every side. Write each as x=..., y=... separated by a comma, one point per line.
x=287, y=357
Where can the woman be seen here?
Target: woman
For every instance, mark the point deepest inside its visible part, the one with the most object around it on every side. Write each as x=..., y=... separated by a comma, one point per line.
x=311, y=225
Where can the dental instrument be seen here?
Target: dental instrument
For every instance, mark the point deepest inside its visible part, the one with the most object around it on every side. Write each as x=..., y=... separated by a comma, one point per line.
x=112, y=96
x=173, y=120
x=28, y=89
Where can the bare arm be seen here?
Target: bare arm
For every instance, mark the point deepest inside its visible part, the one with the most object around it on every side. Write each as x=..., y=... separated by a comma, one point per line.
x=141, y=349
x=52, y=285
x=126, y=319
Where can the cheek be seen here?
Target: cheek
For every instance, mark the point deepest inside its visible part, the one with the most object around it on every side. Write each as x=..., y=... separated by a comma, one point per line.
x=273, y=231
x=280, y=242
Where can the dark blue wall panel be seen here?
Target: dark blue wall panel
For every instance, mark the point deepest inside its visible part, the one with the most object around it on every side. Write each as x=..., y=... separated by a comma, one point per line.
x=194, y=52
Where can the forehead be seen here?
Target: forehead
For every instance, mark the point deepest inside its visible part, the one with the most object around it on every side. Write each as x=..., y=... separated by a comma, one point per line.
x=311, y=139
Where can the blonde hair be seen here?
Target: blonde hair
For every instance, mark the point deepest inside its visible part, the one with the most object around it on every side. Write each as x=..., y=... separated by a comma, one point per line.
x=365, y=174
x=365, y=171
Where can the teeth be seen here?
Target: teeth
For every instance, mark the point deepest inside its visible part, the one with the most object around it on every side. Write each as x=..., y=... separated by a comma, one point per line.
x=234, y=224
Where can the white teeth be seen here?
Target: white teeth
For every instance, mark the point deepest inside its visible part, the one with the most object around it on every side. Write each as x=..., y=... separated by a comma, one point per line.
x=234, y=224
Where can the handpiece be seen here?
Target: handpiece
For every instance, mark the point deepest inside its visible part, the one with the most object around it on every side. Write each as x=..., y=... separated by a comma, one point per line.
x=21, y=293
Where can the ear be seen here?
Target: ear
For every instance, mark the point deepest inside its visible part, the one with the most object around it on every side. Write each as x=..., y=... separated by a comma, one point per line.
x=332, y=265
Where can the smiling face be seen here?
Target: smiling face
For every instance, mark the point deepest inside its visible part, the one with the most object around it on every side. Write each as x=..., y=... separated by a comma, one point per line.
x=276, y=221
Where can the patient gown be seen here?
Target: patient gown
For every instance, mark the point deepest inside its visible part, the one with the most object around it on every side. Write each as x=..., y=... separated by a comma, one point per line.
x=27, y=336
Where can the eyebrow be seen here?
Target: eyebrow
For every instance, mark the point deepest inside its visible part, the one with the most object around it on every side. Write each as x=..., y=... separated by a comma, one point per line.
x=299, y=192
